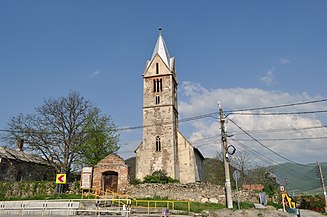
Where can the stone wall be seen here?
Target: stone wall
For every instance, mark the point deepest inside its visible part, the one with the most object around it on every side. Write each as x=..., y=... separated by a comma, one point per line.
x=12, y=170
x=197, y=192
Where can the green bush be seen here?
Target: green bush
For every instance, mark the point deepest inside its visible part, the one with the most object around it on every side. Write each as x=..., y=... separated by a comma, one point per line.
x=159, y=177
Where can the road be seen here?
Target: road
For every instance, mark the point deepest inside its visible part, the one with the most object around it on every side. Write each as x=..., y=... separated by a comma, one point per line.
x=309, y=213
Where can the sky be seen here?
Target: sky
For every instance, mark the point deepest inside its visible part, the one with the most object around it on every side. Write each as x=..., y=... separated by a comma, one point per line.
x=245, y=54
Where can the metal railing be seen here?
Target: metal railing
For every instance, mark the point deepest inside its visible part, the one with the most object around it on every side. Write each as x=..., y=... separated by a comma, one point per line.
x=168, y=204
x=150, y=205
x=64, y=207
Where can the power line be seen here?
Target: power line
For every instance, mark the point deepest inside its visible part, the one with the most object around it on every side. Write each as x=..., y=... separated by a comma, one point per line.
x=216, y=114
x=288, y=139
x=280, y=113
x=279, y=106
x=262, y=143
x=274, y=130
x=270, y=160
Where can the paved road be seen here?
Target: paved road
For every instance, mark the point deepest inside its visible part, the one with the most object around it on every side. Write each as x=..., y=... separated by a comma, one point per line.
x=309, y=213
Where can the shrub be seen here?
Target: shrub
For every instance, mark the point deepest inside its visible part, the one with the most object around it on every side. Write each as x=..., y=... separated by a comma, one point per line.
x=159, y=177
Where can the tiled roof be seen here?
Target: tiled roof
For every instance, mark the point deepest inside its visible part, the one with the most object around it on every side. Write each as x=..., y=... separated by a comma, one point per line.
x=13, y=154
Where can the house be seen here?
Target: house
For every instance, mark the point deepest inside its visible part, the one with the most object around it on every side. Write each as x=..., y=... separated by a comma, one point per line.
x=16, y=165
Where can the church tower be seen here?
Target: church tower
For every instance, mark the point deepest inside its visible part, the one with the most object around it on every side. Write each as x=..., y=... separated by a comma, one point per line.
x=159, y=149
x=163, y=147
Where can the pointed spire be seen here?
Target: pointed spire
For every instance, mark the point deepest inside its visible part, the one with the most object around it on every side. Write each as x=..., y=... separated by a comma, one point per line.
x=161, y=49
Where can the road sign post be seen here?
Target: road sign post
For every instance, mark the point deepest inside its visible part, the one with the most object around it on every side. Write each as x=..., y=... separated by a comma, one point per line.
x=236, y=176
x=60, y=180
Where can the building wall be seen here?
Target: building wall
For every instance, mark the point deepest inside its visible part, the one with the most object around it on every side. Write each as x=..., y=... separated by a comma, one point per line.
x=112, y=163
x=198, y=165
x=187, y=160
x=191, y=161
x=12, y=170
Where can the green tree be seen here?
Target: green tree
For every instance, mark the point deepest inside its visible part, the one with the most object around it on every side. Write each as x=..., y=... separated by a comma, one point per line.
x=101, y=139
x=271, y=183
x=64, y=130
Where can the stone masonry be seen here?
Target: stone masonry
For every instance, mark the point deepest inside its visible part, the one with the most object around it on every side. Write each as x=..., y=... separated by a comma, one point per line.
x=115, y=164
x=197, y=192
x=163, y=147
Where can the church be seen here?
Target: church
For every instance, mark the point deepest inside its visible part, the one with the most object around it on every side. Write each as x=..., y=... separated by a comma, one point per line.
x=163, y=146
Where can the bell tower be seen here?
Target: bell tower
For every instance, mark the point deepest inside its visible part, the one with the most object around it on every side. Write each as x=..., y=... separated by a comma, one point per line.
x=159, y=147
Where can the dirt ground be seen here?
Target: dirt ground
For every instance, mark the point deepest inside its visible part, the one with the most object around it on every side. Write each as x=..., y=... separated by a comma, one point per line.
x=268, y=212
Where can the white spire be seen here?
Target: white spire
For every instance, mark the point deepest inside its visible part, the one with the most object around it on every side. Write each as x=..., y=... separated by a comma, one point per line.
x=161, y=50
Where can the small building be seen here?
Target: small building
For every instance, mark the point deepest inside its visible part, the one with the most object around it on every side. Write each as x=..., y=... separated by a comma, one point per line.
x=16, y=165
x=110, y=174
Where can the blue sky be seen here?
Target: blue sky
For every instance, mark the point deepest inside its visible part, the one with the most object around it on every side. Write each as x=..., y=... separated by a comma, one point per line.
x=246, y=54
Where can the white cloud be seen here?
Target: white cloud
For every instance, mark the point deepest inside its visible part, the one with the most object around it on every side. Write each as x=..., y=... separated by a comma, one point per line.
x=284, y=61
x=95, y=73
x=268, y=79
x=196, y=100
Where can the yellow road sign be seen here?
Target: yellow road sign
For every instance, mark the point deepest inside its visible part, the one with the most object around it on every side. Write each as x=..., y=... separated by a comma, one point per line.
x=61, y=179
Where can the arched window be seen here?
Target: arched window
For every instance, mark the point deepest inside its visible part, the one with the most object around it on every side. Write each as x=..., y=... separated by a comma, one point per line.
x=158, y=144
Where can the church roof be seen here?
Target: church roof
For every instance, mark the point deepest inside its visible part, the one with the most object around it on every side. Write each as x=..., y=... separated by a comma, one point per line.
x=161, y=50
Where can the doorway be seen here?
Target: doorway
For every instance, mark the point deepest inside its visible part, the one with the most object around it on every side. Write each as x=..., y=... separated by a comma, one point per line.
x=110, y=181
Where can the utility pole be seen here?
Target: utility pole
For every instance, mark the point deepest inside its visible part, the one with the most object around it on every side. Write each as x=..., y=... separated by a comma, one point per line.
x=228, y=188
x=322, y=184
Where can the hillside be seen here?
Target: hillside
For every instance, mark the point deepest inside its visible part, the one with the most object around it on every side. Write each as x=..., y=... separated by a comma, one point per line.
x=300, y=178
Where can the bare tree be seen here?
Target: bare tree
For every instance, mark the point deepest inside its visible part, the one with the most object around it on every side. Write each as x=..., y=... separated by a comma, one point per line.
x=241, y=160
x=59, y=129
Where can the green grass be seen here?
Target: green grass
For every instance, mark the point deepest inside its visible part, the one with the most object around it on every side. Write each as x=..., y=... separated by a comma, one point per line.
x=276, y=205
x=199, y=207
x=195, y=207
x=243, y=205
x=178, y=205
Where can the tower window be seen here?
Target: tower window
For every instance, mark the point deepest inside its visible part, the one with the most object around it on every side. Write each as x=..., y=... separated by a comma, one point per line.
x=157, y=100
x=157, y=85
x=158, y=144
x=157, y=68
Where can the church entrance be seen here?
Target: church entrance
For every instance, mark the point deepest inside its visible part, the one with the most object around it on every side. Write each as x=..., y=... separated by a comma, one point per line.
x=110, y=181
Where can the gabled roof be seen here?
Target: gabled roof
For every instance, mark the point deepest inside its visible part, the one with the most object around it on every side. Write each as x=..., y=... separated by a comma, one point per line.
x=161, y=50
x=12, y=154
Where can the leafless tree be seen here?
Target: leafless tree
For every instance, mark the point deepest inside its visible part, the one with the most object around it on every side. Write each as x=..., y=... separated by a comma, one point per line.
x=58, y=130
x=242, y=161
